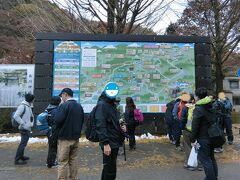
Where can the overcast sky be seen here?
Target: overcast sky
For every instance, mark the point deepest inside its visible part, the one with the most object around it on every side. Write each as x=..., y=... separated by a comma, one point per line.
x=174, y=12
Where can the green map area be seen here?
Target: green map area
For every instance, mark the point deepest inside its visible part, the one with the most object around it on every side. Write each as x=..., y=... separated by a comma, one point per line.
x=151, y=73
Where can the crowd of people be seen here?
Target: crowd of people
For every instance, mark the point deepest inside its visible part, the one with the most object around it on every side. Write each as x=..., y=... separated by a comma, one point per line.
x=185, y=116
x=189, y=116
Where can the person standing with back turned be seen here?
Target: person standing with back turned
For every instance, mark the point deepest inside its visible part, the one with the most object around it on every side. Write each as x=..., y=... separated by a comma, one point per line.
x=69, y=119
x=53, y=131
x=202, y=113
x=131, y=124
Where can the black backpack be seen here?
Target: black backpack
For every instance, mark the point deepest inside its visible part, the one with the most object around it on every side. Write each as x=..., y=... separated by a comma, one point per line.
x=90, y=132
x=215, y=132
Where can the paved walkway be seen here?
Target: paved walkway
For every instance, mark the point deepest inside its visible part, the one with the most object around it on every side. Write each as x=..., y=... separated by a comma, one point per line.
x=151, y=161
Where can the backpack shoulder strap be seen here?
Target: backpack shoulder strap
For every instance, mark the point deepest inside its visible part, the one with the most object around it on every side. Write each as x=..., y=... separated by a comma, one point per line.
x=24, y=110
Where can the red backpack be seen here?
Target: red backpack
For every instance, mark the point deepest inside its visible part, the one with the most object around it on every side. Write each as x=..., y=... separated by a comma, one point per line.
x=138, y=116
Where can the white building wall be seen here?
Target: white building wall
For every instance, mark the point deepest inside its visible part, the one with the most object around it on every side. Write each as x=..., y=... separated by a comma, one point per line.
x=232, y=93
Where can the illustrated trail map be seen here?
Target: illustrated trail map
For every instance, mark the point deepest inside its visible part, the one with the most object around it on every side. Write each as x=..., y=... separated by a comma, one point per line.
x=152, y=73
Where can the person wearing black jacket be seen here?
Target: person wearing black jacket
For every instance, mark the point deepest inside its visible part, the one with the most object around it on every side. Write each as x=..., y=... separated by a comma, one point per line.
x=131, y=124
x=202, y=115
x=168, y=118
x=69, y=119
x=53, y=131
x=110, y=134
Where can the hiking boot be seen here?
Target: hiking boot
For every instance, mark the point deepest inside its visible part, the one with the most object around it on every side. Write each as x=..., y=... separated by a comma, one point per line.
x=25, y=158
x=230, y=142
x=18, y=162
x=132, y=147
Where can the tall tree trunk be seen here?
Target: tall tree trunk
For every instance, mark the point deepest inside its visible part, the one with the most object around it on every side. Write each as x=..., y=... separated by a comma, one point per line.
x=219, y=74
x=120, y=26
x=110, y=16
x=218, y=46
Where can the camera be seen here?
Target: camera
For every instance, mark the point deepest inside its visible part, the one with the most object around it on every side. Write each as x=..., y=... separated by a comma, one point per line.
x=123, y=123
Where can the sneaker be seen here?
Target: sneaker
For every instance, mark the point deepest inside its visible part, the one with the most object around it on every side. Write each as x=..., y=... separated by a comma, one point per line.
x=55, y=164
x=218, y=150
x=191, y=168
x=200, y=168
x=20, y=162
x=173, y=142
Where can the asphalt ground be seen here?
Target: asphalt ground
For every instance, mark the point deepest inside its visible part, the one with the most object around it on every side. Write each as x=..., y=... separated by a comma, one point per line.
x=152, y=160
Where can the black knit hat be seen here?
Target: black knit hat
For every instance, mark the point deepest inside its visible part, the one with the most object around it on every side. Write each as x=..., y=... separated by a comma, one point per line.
x=201, y=92
x=29, y=97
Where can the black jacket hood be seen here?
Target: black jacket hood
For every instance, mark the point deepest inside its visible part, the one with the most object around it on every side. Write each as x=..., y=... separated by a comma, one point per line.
x=104, y=97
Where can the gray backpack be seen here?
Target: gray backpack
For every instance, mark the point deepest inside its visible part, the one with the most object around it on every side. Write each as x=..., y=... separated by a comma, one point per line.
x=15, y=124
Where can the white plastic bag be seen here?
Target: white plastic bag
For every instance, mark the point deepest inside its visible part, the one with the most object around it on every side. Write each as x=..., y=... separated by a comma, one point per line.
x=192, y=160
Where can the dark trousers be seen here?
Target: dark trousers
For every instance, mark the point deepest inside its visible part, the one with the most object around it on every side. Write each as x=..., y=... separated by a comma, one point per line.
x=52, y=148
x=170, y=131
x=131, y=133
x=25, y=134
x=109, y=171
x=228, y=126
x=206, y=157
x=177, y=132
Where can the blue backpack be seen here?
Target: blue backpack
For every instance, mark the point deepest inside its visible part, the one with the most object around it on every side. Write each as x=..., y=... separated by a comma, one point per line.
x=42, y=122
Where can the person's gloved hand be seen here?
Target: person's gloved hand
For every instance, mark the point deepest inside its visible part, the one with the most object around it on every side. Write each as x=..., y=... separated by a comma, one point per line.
x=194, y=144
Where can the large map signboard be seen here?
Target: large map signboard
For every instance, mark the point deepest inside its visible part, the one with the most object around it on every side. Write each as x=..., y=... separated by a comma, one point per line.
x=15, y=81
x=151, y=73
